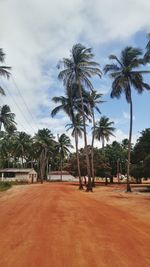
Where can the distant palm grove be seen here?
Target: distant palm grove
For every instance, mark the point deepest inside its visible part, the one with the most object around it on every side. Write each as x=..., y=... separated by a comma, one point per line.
x=81, y=102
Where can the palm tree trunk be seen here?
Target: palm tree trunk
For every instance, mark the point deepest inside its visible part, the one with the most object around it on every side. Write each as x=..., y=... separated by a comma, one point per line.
x=0, y=126
x=129, y=145
x=103, y=143
x=92, y=151
x=78, y=161
x=89, y=185
x=61, y=170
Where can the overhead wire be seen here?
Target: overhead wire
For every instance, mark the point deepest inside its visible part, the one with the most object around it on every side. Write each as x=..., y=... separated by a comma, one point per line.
x=24, y=102
x=17, y=105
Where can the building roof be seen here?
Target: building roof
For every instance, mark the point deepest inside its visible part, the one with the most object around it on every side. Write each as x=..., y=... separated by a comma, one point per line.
x=59, y=173
x=17, y=170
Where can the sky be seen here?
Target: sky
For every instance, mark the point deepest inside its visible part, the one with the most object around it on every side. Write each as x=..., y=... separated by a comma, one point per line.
x=36, y=34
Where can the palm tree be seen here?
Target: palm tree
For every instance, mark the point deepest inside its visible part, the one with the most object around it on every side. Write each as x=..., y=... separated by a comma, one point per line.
x=62, y=147
x=94, y=99
x=103, y=130
x=71, y=104
x=79, y=68
x=77, y=126
x=126, y=75
x=22, y=143
x=7, y=118
x=44, y=145
x=4, y=70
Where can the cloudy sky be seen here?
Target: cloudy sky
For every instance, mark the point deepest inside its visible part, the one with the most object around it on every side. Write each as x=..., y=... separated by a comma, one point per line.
x=36, y=34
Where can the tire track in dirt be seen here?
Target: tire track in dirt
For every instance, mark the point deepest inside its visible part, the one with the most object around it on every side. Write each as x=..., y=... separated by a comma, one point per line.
x=55, y=225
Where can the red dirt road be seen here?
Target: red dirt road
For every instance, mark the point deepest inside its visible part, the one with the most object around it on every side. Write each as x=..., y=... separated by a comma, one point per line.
x=55, y=225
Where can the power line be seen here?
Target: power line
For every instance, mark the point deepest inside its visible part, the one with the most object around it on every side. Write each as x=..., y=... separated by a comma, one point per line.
x=19, y=107
x=18, y=120
x=23, y=100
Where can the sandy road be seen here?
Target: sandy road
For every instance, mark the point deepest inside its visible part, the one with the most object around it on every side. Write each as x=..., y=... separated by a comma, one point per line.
x=55, y=225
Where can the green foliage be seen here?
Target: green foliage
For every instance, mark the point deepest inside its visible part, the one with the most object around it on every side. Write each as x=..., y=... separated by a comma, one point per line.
x=114, y=153
x=104, y=129
x=5, y=186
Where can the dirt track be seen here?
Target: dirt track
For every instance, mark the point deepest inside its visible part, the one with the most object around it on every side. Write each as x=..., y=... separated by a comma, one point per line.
x=55, y=225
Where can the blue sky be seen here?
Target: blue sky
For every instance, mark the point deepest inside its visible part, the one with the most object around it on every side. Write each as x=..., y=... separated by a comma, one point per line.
x=36, y=34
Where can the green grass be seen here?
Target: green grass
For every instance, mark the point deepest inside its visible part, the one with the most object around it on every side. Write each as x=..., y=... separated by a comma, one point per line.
x=5, y=186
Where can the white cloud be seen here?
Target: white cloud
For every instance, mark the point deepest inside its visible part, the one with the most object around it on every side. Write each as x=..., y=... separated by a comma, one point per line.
x=126, y=115
x=35, y=34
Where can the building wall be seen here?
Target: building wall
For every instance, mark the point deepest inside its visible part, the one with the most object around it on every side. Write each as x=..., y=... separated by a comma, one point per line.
x=57, y=177
x=25, y=177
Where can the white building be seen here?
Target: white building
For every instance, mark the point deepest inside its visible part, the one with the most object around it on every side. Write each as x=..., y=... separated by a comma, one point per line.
x=19, y=175
x=66, y=176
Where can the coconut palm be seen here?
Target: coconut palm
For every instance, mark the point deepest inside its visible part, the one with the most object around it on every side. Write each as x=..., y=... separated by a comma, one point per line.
x=126, y=75
x=7, y=118
x=79, y=69
x=94, y=99
x=62, y=147
x=103, y=130
x=44, y=145
x=71, y=104
x=4, y=70
x=22, y=143
x=77, y=129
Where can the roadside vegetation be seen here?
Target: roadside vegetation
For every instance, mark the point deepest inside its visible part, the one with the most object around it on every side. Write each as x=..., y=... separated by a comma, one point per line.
x=5, y=186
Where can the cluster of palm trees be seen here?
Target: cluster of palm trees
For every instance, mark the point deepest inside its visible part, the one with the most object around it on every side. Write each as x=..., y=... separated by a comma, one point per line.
x=81, y=99
x=80, y=102
x=19, y=149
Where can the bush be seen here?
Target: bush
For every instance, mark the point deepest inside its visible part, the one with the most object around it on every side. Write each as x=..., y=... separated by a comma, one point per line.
x=5, y=186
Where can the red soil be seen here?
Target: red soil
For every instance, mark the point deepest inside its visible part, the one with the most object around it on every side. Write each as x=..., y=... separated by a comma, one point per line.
x=55, y=225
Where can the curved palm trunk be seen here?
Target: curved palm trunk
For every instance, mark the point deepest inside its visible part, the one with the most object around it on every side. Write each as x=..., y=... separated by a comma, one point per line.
x=129, y=146
x=92, y=151
x=89, y=185
x=78, y=161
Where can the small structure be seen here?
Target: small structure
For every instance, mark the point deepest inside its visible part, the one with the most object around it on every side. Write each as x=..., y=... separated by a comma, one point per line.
x=19, y=175
x=56, y=176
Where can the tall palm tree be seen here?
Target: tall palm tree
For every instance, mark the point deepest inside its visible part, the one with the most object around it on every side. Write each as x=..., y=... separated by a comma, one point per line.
x=126, y=75
x=4, y=70
x=94, y=99
x=103, y=130
x=70, y=104
x=62, y=147
x=7, y=118
x=79, y=69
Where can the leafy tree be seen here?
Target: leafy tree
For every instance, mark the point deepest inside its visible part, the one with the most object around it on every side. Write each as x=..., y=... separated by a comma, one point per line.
x=126, y=75
x=116, y=156
x=79, y=68
x=142, y=147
